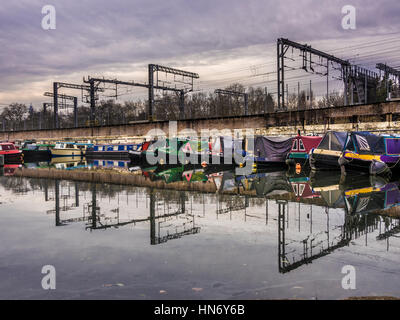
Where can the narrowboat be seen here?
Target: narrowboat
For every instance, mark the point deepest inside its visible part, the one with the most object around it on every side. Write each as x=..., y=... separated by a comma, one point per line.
x=70, y=149
x=373, y=154
x=270, y=151
x=326, y=155
x=177, y=151
x=138, y=155
x=357, y=151
x=111, y=151
x=33, y=152
x=301, y=146
x=228, y=151
x=11, y=154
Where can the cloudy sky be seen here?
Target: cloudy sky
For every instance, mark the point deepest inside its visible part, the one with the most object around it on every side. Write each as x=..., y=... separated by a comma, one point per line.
x=223, y=40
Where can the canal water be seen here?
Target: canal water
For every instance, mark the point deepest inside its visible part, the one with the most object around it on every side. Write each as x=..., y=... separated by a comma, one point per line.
x=196, y=234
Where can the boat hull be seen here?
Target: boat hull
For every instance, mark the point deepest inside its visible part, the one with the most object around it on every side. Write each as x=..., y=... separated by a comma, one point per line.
x=67, y=152
x=12, y=158
x=36, y=155
x=117, y=155
x=325, y=160
x=294, y=158
x=137, y=157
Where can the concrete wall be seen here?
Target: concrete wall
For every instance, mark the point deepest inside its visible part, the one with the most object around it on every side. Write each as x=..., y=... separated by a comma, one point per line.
x=374, y=117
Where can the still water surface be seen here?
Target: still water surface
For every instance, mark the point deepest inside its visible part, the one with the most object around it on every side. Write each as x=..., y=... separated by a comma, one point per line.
x=270, y=235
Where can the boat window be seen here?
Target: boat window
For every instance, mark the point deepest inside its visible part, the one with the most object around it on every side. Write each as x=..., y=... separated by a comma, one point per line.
x=393, y=146
x=70, y=146
x=324, y=143
x=121, y=148
x=295, y=189
x=96, y=148
x=350, y=145
x=362, y=143
x=301, y=189
x=335, y=143
x=30, y=146
x=301, y=145
x=7, y=147
x=294, y=147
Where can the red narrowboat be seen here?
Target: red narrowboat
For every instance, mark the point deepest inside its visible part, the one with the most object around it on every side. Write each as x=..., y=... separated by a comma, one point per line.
x=10, y=152
x=301, y=146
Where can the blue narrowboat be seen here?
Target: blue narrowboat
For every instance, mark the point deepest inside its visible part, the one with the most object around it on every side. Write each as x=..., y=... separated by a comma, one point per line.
x=111, y=151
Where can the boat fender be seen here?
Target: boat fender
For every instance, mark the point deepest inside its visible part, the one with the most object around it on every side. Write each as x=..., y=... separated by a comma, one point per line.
x=298, y=168
x=311, y=162
x=342, y=161
x=378, y=168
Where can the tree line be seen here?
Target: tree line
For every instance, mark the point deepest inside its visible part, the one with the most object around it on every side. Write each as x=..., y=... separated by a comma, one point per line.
x=18, y=116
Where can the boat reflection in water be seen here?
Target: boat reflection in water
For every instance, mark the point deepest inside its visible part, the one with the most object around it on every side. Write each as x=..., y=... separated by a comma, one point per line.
x=9, y=169
x=313, y=216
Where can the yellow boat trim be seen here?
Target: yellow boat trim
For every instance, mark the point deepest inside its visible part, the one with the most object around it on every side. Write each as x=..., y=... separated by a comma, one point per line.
x=355, y=192
x=367, y=157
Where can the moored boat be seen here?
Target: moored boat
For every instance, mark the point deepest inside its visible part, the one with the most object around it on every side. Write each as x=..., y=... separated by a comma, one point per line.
x=370, y=153
x=175, y=151
x=357, y=151
x=328, y=152
x=299, y=154
x=138, y=155
x=227, y=151
x=70, y=149
x=10, y=153
x=270, y=151
x=111, y=151
x=34, y=152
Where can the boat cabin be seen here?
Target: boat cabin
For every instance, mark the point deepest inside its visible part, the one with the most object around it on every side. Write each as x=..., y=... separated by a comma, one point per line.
x=303, y=144
x=6, y=146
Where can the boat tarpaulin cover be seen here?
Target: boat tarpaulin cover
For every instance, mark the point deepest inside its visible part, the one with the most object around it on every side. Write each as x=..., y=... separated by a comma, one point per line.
x=368, y=143
x=333, y=140
x=273, y=149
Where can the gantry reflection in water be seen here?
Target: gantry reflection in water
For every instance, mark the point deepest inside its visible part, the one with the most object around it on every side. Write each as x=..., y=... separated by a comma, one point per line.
x=312, y=215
